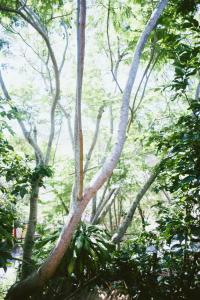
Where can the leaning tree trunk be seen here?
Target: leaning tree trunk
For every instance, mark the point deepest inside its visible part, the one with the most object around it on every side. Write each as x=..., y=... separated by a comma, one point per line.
x=30, y=233
x=117, y=237
x=37, y=279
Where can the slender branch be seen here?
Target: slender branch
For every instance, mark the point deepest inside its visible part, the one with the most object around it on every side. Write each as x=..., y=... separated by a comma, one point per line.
x=110, y=51
x=105, y=208
x=30, y=46
x=133, y=112
x=31, y=18
x=143, y=76
x=56, y=146
x=60, y=16
x=133, y=109
x=197, y=93
x=165, y=193
x=102, y=206
x=141, y=213
x=103, y=195
x=27, y=135
x=128, y=218
x=68, y=117
x=65, y=49
x=94, y=140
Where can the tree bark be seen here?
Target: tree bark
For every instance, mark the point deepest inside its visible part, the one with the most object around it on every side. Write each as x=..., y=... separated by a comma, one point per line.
x=30, y=233
x=48, y=268
x=78, y=134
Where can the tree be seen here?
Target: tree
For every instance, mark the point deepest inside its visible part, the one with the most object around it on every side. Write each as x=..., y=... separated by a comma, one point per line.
x=46, y=271
x=42, y=158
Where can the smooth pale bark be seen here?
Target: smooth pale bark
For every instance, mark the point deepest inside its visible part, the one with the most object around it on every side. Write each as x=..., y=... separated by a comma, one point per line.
x=30, y=233
x=117, y=237
x=48, y=268
x=78, y=134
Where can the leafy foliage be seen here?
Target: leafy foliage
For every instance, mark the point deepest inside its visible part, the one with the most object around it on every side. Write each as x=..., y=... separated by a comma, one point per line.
x=7, y=218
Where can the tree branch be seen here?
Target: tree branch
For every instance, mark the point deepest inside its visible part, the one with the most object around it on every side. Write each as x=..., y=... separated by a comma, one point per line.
x=65, y=49
x=110, y=51
x=67, y=116
x=117, y=237
x=89, y=155
x=27, y=135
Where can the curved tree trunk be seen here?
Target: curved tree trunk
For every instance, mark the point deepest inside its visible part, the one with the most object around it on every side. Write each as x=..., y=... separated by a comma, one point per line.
x=48, y=268
x=30, y=233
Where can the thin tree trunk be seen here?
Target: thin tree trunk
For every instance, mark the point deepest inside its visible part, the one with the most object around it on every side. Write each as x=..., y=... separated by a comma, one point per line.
x=117, y=237
x=141, y=213
x=48, y=268
x=197, y=92
x=98, y=219
x=115, y=213
x=30, y=233
x=94, y=208
x=94, y=140
x=102, y=206
x=110, y=220
x=167, y=196
x=102, y=197
x=78, y=134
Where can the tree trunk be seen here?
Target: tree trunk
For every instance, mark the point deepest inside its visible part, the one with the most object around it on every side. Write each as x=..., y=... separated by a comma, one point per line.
x=105, y=209
x=30, y=233
x=78, y=134
x=94, y=208
x=101, y=206
x=117, y=237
